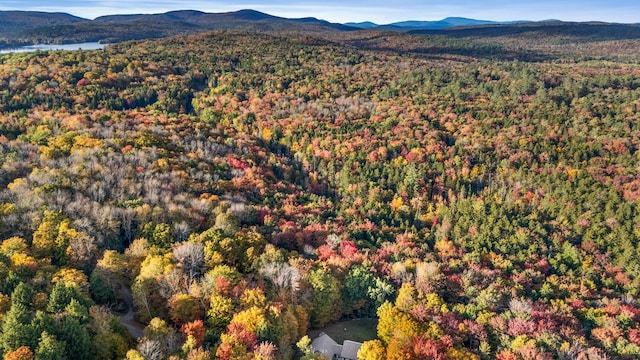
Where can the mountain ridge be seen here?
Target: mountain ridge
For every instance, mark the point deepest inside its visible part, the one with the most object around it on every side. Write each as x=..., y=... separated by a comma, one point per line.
x=16, y=20
x=31, y=27
x=446, y=23
x=26, y=28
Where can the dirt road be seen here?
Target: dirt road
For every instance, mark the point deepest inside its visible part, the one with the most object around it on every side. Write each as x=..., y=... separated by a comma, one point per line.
x=134, y=327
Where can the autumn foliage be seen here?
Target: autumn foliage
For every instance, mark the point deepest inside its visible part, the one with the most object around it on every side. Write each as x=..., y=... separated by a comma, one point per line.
x=235, y=189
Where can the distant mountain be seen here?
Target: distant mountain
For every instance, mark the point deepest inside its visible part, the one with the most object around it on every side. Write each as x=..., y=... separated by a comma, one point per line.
x=442, y=24
x=13, y=21
x=460, y=26
x=363, y=25
x=189, y=16
x=34, y=27
x=446, y=23
x=191, y=19
x=586, y=31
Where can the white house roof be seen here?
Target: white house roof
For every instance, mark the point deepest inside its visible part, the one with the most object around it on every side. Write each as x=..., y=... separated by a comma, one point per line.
x=326, y=346
x=350, y=349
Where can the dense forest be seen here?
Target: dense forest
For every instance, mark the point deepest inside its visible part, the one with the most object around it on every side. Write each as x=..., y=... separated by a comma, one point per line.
x=479, y=197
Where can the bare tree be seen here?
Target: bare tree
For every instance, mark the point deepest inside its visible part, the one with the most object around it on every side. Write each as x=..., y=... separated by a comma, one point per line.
x=82, y=249
x=151, y=349
x=126, y=221
x=429, y=277
x=181, y=231
x=173, y=283
x=191, y=257
x=283, y=276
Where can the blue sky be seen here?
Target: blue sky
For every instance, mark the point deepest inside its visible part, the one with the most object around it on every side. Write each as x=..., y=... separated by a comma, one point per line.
x=379, y=11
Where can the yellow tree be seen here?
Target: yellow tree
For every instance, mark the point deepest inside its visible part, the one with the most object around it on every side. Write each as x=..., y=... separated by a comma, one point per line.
x=253, y=319
x=219, y=313
x=72, y=278
x=13, y=245
x=394, y=323
x=406, y=298
x=44, y=238
x=372, y=350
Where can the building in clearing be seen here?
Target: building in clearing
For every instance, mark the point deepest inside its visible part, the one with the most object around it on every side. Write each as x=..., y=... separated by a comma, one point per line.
x=326, y=346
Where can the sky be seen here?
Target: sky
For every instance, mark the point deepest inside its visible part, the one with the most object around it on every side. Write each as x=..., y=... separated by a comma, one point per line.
x=378, y=11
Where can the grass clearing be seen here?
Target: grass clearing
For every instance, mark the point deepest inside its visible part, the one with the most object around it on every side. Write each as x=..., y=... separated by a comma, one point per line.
x=359, y=330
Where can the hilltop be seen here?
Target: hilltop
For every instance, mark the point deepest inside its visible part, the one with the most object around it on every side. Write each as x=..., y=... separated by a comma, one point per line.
x=23, y=27
x=17, y=21
x=417, y=24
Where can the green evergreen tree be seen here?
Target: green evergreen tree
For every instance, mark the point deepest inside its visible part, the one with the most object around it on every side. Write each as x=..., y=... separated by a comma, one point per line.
x=50, y=348
x=16, y=330
x=76, y=337
x=43, y=322
x=59, y=298
x=77, y=310
x=23, y=295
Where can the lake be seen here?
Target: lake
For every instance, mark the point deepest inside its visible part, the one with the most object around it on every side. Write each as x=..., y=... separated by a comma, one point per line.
x=44, y=47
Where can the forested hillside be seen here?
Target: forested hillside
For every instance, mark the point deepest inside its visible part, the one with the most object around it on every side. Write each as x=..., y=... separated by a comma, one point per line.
x=19, y=28
x=478, y=196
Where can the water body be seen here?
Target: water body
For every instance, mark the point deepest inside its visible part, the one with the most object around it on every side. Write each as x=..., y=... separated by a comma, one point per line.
x=44, y=47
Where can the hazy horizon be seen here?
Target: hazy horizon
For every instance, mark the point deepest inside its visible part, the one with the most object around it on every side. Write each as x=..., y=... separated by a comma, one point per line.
x=623, y=11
